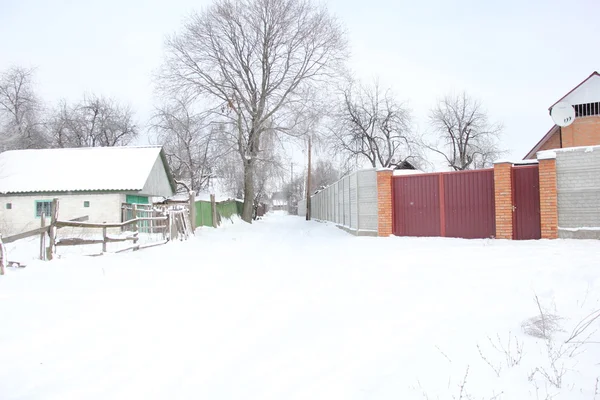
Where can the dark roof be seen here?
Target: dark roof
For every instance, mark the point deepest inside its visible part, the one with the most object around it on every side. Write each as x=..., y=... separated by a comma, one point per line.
x=575, y=88
x=404, y=165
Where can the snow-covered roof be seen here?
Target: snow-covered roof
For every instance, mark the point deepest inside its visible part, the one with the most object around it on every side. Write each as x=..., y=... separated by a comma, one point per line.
x=78, y=169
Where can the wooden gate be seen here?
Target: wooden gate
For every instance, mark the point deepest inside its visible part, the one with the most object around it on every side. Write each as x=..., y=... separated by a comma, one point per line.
x=453, y=204
x=526, y=202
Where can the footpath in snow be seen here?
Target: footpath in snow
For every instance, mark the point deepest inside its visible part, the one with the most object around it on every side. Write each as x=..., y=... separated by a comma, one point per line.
x=289, y=309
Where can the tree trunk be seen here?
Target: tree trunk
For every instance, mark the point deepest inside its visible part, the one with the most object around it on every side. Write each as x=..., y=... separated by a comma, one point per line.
x=248, y=190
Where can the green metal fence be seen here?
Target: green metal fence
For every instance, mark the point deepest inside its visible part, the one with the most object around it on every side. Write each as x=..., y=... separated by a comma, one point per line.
x=225, y=209
x=203, y=214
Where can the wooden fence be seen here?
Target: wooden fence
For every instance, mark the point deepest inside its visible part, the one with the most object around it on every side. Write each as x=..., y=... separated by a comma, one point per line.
x=171, y=222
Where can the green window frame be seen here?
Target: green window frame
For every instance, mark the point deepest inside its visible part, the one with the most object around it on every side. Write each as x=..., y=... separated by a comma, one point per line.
x=86, y=204
x=43, y=206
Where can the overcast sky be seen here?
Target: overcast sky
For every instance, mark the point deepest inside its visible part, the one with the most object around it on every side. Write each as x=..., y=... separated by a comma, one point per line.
x=518, y=57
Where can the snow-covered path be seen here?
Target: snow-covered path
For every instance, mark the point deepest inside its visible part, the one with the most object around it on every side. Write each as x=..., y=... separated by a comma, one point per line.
x=286, y=309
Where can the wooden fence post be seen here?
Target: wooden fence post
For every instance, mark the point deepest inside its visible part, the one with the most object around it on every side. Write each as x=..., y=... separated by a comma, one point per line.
x=43, y=238
x=192, y=213
x=167, y=230
x=53, y=229
x=3, y=256
x=213, y=208
x=135, y=224
x=104, y=238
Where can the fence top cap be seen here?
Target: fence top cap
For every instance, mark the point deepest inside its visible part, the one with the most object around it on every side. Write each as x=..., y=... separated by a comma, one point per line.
x=519, y=162
x=580, y=149
x=546, y=155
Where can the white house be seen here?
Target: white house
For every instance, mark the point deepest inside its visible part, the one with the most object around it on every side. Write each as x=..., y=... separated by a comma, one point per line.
x=92, y=182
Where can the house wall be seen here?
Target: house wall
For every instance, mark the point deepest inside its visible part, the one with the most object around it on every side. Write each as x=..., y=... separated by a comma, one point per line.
x=157, y=183
x=584, y=131
x=578, y=190
x=103, y=208
x=552, y=143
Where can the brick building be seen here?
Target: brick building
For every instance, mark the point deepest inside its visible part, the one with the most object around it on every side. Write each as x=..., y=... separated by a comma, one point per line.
x=585, y=130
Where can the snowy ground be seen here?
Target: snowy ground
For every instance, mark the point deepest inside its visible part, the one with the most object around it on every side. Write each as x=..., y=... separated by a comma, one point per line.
x=285, y=309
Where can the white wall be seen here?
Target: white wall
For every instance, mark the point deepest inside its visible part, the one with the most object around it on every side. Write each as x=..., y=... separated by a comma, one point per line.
x=157, y=183
x=21, y=218
x=350, y=203
x=578, y=190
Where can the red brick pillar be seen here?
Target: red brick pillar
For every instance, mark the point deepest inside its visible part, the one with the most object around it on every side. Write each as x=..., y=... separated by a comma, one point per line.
x=504, y=200
x=548, y=198
x=384, y=202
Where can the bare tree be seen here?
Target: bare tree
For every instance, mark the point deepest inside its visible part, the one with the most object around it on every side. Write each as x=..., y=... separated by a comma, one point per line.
x=324, y=174
x=372, y=126
x=93, y=122
x=256, y=58
x=465, y=137
x=190, y=142
x=20, y=109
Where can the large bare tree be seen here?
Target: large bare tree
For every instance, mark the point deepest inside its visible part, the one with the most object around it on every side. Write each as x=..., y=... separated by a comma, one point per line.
x=256, y=58
x=190, y=141
x=371, y=126
x=464, y=135
x=95, y=121
x=20, y=111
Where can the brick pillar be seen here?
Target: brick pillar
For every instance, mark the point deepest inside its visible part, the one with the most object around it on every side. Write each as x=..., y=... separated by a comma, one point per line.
x=548, y=199
x=384, y=202
x=504, y=200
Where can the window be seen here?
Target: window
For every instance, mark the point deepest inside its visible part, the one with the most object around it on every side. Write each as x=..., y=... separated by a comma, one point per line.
x=585, y=110
x=86, y=204
x=9, y=206
x=43, y=207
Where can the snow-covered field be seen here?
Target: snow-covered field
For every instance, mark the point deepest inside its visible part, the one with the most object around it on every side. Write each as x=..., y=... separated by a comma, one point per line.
x=285, y=309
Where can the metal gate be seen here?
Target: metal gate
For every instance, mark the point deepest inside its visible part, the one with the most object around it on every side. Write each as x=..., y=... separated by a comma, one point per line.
x=526, y=202
x=416, y=205
x=453, y=204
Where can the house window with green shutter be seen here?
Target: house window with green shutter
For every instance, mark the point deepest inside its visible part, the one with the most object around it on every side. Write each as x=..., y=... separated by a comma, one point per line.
x=43, y=207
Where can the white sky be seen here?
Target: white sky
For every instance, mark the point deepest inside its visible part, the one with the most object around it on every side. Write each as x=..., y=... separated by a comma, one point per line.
x=518, y=57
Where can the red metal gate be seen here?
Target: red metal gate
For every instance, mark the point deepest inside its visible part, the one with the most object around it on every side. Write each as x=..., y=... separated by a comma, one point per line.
x=416, y=205
x=526, y=201
x=453, y=204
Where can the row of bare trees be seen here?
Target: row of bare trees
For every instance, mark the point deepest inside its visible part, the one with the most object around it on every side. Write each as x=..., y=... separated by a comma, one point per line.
x=27, y=123
x=371, y=126
x=240, y=80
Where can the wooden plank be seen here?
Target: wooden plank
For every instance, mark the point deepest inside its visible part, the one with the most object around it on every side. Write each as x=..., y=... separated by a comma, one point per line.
x=104, y=239
x=75, y=224
x=3, y=257
x=192, y=208
x=213, y=208
x=24, y=235
x=42, y=237
x=135, y=224
x=147, y=246
x=81, y=219
x=78, y=242
x=136, y=247
x=53, y=229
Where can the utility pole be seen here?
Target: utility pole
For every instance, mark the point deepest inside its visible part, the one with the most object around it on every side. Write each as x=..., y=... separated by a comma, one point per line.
x=292, y=191
x=308, y=180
